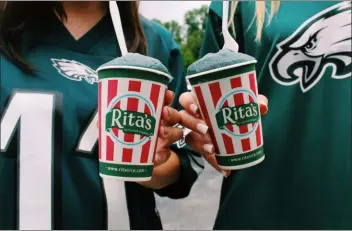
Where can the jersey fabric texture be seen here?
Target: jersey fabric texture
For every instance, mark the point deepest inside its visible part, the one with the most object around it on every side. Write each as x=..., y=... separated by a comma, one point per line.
x=304, y=68
x=49, y=176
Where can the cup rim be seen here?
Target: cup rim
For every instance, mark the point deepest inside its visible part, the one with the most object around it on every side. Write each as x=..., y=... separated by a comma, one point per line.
x=136, y=68
x=220, y=69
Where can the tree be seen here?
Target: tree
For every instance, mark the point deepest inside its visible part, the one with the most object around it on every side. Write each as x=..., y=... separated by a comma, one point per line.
x=195, y=19
x=195, y=22
x=175, y=30
x=189, y=36
x=158, y=21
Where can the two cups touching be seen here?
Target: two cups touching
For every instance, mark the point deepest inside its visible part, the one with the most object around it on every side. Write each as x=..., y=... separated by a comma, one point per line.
x=131, y=92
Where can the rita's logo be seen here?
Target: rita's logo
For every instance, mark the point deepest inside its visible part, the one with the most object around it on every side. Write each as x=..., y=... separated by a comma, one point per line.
x=132, y=122
x=229, y=117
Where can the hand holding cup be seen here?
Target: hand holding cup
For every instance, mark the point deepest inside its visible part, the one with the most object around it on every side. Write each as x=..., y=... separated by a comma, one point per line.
x=199, y=138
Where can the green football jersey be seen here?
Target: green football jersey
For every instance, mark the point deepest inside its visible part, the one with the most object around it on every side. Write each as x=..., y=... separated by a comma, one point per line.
x=304, y=68
x=49, y=176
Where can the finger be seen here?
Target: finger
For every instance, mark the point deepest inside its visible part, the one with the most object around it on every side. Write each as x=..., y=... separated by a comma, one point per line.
x=200, y=143
x=189, y=103
x=161, y=156
x=203, y=145
x=169, y=135
x=169, y=97
x=211, y=159
x=193, y=123
x=170, y=116
x=263, y=103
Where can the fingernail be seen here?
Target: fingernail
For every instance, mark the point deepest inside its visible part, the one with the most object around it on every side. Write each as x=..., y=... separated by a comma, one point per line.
x=224, y=173
x=164, y=131
x=263, y=100
x=194, y=108
x=172, y=93
x=202, y=128
x=156, y=159
x=208, y=148
x=263, y=109
x=167, y=111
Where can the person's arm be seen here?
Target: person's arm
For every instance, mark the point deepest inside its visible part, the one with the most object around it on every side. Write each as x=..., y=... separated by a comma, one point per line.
x=165, y=174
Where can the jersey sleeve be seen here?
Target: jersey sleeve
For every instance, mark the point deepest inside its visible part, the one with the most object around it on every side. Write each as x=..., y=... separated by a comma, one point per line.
x=191, y=162
x=213, y=40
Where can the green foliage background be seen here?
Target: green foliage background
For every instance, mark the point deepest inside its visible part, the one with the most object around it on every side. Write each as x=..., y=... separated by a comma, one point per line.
x=189, y=35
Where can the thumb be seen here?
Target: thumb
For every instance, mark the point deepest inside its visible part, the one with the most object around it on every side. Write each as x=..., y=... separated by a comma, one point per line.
x=263, y=104
x=169, y=97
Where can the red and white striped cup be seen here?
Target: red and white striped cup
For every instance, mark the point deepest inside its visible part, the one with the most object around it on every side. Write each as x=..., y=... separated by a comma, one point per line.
x=130, y=101
x=227, y=98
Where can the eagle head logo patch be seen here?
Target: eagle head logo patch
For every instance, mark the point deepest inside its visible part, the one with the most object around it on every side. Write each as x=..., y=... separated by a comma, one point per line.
x=322, y=41
x=74, y=70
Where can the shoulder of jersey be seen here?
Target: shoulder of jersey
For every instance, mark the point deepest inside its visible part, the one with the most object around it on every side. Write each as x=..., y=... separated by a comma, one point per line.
x=158, y=33
x=216, y=7
x=5, y=61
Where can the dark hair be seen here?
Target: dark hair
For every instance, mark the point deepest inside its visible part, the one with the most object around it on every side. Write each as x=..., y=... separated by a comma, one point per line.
x=16, y=16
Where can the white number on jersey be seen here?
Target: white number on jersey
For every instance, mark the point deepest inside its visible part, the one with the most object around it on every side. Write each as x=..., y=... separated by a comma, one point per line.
x=33, y=115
